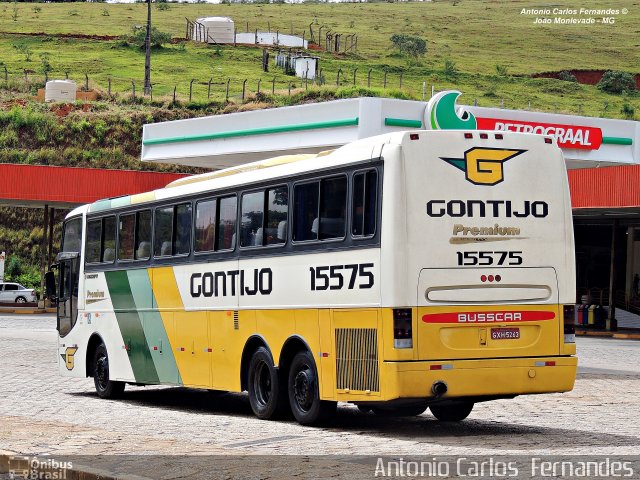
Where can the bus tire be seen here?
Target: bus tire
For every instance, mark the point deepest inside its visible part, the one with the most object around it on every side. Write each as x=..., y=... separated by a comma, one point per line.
x=104, y=387
x=304, y=393
x=452, y=413
x=266, y=394
x=403, y=411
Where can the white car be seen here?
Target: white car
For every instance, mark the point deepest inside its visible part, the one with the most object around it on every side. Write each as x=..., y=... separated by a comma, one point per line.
x=14, y=292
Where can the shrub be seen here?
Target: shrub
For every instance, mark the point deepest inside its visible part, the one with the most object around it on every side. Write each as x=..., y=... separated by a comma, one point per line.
x=567, y=77
x=450, y=69
x=502, y=71
x=617, y=82
x=628, y=111
x=409, y=44
x=158, y=38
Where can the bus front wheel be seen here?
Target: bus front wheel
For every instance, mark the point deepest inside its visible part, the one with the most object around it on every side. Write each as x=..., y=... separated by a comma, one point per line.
x=304, y=394
x=106, y=388
x=452, y=413
x=266, y=395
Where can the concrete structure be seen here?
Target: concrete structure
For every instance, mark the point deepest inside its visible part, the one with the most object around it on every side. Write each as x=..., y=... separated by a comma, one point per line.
x=213, y=30
x=271, y=38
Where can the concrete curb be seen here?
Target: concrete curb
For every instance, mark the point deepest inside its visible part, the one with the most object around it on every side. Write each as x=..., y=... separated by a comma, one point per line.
x=26, y=310
x=33, y=466
x=616, y=335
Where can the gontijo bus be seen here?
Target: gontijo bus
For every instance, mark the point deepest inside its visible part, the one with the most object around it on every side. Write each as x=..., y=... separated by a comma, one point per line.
x=412, y=270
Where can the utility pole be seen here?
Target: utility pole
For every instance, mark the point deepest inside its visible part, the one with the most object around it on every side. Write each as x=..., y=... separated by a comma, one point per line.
x=147, y=53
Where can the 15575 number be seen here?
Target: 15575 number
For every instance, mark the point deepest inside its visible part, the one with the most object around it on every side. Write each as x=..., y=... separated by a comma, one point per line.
x=336, y=277
x=489, y=258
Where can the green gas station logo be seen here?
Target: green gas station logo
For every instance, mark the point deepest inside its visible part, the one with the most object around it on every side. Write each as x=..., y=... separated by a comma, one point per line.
x=441, y=113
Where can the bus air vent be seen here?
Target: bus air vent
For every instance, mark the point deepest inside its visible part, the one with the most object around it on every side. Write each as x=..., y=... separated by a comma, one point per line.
x=236, y=325
x=357, y=359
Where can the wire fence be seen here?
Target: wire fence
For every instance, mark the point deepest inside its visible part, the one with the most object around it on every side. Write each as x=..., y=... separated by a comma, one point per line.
x=395, y=83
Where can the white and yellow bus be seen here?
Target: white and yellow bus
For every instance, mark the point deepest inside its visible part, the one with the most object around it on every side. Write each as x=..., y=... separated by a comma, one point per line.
x=406, y=271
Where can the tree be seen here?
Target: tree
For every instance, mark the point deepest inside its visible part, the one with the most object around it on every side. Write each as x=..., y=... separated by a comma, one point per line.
x=409, y=44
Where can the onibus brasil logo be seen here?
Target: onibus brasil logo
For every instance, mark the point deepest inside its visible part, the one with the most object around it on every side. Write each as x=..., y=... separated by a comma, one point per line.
x=481, y=165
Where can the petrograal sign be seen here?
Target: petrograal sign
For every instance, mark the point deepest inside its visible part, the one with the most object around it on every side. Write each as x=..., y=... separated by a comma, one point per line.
x=567, y=136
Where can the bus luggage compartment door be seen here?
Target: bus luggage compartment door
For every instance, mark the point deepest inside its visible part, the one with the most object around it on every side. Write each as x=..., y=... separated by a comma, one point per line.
x=475, y=313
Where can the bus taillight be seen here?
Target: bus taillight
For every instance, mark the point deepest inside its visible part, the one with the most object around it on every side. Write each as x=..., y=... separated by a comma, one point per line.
x=568, y=318
x=402, y=330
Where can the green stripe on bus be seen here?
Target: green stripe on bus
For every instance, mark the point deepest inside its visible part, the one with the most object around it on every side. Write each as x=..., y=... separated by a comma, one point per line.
x=130, y=326
x=617, y=141
x=154, y=331
x=402, y=122
x=253, y=131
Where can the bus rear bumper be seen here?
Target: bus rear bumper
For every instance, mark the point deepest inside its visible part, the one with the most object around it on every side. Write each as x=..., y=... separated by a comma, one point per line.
x=478, y=378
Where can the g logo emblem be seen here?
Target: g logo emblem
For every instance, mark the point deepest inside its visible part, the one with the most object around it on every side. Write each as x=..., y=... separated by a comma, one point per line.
x=68, y=357
x=484, y=166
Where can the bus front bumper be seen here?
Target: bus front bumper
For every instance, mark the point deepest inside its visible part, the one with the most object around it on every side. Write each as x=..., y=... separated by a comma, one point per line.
x=478, y=378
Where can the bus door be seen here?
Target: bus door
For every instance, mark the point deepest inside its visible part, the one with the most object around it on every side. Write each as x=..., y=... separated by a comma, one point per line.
x=67, y=297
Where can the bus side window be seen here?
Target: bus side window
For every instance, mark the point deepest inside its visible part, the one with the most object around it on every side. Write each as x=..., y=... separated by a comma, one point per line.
x=226, y=223
x=333, y=208
x=182, y=243
x=143, y=235
x=109, y=242
x=251, y=231
x=305, y=211
x=276, y=221
x=126, y=233
x=364, y=202
x=205, y=225
x=163, y=231
x=94, y=238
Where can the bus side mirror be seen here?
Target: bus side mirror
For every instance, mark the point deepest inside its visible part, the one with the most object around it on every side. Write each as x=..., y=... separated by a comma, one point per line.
x=50, y=285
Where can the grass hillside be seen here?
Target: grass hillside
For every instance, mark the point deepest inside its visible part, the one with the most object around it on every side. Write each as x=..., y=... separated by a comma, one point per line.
x=490, y=48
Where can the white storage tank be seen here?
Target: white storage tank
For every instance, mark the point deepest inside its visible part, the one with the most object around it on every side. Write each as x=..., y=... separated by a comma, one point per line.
x=214, y=30
x=60, y=91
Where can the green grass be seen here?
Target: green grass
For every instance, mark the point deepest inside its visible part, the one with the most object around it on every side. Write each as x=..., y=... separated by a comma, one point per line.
x=477, y=35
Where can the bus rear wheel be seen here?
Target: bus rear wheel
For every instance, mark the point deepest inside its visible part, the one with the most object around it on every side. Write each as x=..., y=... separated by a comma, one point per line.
x=304, y=392
x=266, y=394
x=104, y=387
x=452, y=413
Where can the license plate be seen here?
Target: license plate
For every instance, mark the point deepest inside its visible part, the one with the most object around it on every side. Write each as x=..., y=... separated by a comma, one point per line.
x=505, y=333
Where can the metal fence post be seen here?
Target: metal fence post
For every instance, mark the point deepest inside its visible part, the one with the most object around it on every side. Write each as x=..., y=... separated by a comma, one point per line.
x=86, y=82
x=244, y=88
x=109, y=86
x=209, y=88
x=191, y=89
x=259, y=82
x=273, y=86
x=174, y=94
x=226, y=98
x=354, y=76
x=338, y=77
x=369, y=78
x=133, y=90
x=289, y=88
x=385, y=79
